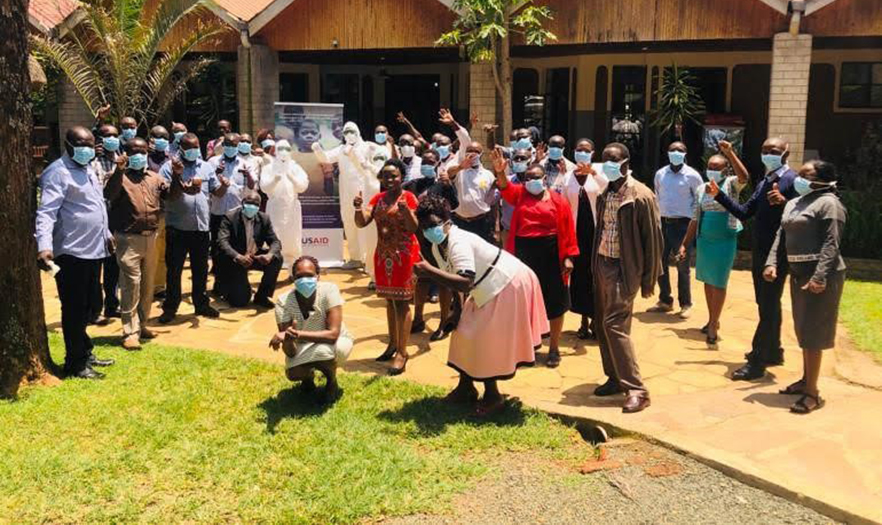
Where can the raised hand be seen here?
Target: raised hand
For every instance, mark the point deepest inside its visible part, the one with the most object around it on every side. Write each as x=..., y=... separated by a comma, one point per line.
x=402, y=204
x=498, y=160
x=490, y=128
x=249, y=179
x=468, y=161
x=473, y=119
x=712, y=189
x=541, y=152
x=401, y=118
x=103, y=111
x=221, y=167
x=358, y=201
x=121, y=160
x=446, y=118
x=775, y=197
x=225, y=182
x=177, y=166
x=725, y=147
x=585, y=168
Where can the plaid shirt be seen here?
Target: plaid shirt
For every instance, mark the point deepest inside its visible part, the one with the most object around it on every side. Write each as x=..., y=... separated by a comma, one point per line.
x=609, y=229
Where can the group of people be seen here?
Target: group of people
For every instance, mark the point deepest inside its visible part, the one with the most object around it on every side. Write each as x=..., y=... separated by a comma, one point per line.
x=508, y=241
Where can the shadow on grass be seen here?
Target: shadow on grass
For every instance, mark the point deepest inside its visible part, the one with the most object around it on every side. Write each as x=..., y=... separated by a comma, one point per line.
x=293, y=402
x=432, y=415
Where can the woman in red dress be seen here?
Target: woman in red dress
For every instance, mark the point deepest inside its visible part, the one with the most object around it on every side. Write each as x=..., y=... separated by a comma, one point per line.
x=397, y=251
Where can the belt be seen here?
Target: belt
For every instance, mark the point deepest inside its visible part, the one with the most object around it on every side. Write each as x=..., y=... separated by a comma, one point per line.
x=675, y=219
x=805, y=257
x=472, y=219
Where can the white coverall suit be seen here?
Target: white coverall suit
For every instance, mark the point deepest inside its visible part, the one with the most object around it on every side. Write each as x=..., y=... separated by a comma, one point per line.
x=282, y=180
x=356, y=175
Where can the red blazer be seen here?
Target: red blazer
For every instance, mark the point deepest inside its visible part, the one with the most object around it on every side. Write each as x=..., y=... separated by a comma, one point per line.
x=567, y=245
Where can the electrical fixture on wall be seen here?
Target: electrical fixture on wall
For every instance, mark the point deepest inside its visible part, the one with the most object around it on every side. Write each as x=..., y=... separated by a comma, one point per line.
x=335, y=43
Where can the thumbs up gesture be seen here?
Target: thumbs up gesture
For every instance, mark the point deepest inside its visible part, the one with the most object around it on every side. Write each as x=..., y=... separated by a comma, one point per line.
x=358, y=201
x=775, y=197
x=712, y=189
x=402, y=204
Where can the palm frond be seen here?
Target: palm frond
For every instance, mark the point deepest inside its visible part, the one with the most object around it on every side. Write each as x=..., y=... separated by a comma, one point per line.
x=75, y=65
x=173, y=90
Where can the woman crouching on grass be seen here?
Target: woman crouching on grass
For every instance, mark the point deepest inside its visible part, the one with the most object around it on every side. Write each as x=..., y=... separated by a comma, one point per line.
x=503, y=319
x=311, y=330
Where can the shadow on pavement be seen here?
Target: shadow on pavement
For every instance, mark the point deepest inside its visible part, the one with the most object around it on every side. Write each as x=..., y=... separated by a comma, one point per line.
x=583, y=396
x=432, y=415
x=771, y=400
x=730, y=366
x=292, y=403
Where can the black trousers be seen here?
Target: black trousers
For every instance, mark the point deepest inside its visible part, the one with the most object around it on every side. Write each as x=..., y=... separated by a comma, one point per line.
x=482, y=225
x=767, y=338
x=110, y=282
x=233, y=278
x=75, y=282
x=214, y=222
x=179, y=244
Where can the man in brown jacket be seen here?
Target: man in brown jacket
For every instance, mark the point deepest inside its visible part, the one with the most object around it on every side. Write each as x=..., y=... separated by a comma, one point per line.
x=628, y=246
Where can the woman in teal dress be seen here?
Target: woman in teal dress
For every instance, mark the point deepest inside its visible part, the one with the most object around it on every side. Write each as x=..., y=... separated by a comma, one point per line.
x=717, y=232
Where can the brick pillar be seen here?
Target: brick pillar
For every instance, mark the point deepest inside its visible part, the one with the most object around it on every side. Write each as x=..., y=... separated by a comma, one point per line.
x=482, y=94
x=72, y=110
x=257, y=112
x=791, y=61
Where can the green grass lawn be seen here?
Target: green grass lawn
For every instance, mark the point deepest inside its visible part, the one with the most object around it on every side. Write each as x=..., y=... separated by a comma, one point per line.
x=861, y=311
x=177, y=435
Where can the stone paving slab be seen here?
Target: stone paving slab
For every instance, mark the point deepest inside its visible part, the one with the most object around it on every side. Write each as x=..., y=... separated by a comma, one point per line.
x=830, y=460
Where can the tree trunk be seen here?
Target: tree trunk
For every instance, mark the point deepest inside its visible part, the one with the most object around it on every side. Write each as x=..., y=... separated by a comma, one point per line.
x=24, y=351
x=506, y=79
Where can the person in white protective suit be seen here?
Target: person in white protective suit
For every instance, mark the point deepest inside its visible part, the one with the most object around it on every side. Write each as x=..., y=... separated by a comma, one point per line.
x=357, y=174
x=282, y=180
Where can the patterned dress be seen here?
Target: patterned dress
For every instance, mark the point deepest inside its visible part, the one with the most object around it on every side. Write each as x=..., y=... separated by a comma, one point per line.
x=397, y=249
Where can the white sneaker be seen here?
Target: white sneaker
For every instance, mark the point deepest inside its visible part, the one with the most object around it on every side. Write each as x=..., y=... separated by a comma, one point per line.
x=685, y=312
x=661, y=307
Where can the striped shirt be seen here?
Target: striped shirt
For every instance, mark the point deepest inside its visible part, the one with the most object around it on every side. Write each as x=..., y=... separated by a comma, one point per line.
x=609, y=233
x=327, y=296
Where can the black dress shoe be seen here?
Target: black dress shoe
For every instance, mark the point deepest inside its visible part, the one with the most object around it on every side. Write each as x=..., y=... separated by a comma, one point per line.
x=86, y=373
x=94, y=361
x=610, y=388
x=208, y=311
x=749, y=372
x=167, y=317
x=100, y=321
x=112, y=313
x=777, y=358
x=387, y=355
x=417, y=327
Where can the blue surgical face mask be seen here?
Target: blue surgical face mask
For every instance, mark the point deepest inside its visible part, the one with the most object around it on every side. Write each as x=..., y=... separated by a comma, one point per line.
x=160, y=144
x=435, y=234
x=138, y=161
x=110, y=143
x=267, y=143
x=190, y=155
x=802, y=186
x=250, y=210
x=772, y=162
x=245, y=148
x=178, y=135
x=612, y=170
x=380, y=138
x=535, y=186
x=513, y=144
x=443, y=151
x=676, y=157
x=306, y=286
x=83, y=155
x=129, y=133
x=583, y=157
x=427, y=170
x=518, y=167
x=523, y=143
x=555, y=153
x=714, y=175
x=230, y=151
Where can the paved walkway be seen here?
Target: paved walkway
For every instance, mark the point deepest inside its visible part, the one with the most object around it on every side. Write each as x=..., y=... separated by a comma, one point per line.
x=832, y=459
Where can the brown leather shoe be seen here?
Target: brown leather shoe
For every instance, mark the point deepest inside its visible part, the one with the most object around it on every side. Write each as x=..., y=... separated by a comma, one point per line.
x=131, y=343
x=147, y=333
x=636, y=402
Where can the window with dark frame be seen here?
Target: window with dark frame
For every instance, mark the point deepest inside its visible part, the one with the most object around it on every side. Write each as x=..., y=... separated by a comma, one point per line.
x=860, y=85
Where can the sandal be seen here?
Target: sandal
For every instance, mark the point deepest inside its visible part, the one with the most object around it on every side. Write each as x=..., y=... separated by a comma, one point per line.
x=486, y=410
x=706, y=327
x=712, y=342
x=459, y=398
x=800, y=407
x=795, y=389
x=553, y=360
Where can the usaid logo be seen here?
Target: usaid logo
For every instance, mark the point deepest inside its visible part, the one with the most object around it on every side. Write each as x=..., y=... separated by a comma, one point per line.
x=316, y=241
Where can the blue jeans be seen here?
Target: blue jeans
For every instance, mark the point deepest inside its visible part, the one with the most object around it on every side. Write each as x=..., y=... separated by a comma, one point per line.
x=674, y=230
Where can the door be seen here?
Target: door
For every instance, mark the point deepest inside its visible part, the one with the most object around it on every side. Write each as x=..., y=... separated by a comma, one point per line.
x=418, y=97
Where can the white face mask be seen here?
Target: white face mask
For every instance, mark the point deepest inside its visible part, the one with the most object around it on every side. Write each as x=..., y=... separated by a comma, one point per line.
x=350, y=138
x=407, y=151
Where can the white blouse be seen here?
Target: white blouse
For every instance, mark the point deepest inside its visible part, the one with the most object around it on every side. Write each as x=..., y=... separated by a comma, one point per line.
x=467, y=252
x=594, y=186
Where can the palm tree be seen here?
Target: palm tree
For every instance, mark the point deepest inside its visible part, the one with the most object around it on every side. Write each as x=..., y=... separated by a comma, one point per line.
x=678, y=101
x=124, y=52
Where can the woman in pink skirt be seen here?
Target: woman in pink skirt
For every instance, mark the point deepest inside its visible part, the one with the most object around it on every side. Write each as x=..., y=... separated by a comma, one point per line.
x=504, y=317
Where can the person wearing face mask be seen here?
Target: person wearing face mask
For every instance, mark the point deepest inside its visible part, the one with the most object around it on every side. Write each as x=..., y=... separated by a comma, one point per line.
x=266, y=139
x=251, y=161
x=476, y=191
x=766, y=205
x=353, y=159
x=283, y=181
x=397, y=251
x=247, y=241
x=430, y=183
x=628, y=257
x=581, y=188
x=72, y=236
x=158, y=154
x=503, y=318
x=676, y=186
x=557, y=167
x=178, y=130
x=104, y=297
x=134, y=194
x=444, y=146
x=384, y=139
x=809, y=238
x=717, y=232
x=237, y=173
x=311, y=331
x=543, y=236
x=519, y=160
x=129, y=127
x=213, y=148
x=407, y=149
x=191, y=182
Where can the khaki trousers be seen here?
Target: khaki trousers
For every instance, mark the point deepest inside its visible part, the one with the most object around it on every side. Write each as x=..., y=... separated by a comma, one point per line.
x=159, y=274
x=614, y=311
x=136, y=255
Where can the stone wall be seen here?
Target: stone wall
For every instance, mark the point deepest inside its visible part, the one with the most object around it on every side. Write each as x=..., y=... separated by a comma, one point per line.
x=791, y=61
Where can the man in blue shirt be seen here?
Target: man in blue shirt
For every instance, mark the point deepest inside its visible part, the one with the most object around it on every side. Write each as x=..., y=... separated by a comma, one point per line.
x=767, y=205
x=72, y=235
x=677, y=188
x=191, y=180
